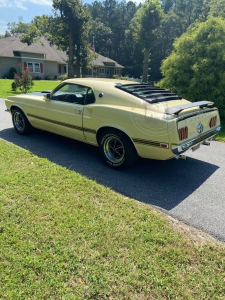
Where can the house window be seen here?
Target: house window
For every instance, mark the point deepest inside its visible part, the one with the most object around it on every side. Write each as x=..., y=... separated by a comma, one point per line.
x=16, y=53
x=102, y=71
x=34, y=67
x=30, y=67
x=117, y=72
x=107, y=71
x=37, y=68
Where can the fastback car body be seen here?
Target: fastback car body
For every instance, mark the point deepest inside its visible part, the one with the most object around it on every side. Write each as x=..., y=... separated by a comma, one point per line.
x=124, y=118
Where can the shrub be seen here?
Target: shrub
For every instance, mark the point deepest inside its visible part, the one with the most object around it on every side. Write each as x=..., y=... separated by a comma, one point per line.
x=55, y=77
x=37, y=78
x=116, y=77
x=12, y=71
x=14, y=86
x=23, y=82
x=63, y=77
x=47, y=77
x=195, y=68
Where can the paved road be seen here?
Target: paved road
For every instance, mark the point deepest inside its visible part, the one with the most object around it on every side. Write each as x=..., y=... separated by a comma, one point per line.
x=192, y=190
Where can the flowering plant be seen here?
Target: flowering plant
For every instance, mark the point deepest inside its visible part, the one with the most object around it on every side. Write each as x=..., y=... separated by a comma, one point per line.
x=23, y=82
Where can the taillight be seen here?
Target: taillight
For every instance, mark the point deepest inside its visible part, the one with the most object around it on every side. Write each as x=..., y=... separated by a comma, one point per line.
x=212, y=122
x=183, y=133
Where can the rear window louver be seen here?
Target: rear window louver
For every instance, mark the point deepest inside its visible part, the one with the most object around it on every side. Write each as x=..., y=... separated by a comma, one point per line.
x=148, y=92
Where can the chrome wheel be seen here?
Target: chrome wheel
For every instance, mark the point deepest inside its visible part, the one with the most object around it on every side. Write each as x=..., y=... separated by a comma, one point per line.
x=114, y=149
x=19, y=121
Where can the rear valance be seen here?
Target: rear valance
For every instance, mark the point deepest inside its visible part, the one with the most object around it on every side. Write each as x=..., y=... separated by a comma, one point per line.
x=178, y=108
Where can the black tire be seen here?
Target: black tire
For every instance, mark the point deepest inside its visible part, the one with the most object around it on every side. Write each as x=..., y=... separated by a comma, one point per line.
x=116, y=149
x=20, y=122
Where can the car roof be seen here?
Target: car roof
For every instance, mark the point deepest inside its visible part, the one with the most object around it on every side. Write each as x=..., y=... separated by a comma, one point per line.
x=99, y=81
x=143, y=91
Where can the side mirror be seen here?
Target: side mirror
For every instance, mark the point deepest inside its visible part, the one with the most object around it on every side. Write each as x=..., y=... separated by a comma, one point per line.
x=47, y=96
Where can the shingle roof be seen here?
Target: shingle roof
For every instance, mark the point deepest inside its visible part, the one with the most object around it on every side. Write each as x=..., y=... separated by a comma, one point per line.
x=101, y=61
x=13, y=43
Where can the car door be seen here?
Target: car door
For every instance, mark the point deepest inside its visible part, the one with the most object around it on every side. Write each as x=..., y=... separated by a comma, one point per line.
x=62, y=112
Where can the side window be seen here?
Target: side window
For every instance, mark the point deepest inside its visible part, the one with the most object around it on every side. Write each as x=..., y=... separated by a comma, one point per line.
x=90, y=97
x=70, y=93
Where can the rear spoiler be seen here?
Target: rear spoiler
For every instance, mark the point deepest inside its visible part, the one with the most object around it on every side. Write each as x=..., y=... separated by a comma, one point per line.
x=178, y=108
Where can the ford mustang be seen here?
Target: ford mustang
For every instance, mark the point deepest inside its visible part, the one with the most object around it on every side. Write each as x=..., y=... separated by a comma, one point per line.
x=124, y=119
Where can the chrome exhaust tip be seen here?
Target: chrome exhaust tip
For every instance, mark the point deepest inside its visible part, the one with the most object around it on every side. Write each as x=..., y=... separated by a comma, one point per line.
x=206, y=143
x=181, y=157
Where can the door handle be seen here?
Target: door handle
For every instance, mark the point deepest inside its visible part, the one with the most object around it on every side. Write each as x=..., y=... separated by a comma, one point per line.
x=79, y=110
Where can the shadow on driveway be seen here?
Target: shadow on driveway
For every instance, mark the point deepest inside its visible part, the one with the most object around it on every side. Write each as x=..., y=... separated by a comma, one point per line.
x=161, y=183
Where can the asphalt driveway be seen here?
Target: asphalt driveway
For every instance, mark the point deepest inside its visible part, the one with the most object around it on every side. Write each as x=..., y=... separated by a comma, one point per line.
x=191, y=190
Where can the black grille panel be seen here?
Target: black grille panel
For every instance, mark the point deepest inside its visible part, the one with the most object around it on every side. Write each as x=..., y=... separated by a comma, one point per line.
x=148, y=92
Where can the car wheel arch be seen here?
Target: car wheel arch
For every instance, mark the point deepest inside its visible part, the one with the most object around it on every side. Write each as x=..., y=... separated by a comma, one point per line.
x=13, y=107
x=102, y=129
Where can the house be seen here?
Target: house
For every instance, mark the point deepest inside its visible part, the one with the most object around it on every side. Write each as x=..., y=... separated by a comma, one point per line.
x=104, y=67
x=45, y=60
x=41, y=58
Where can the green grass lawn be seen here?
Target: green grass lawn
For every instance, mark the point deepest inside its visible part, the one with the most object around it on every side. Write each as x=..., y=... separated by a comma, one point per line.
x=39, y=85
x=64, y=236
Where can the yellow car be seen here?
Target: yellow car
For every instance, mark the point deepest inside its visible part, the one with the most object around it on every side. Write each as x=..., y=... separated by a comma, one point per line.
x=124, y=119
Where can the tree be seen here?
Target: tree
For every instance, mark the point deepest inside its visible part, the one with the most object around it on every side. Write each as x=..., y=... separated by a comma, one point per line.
x=110, y=25
x=102, y=36
x=67, y=29
x=167, y=5
x=217, y=8
x=144, y=25
x=15, y=28
x=169, y=29
x=179, y=15
x=7, y=34
x=196, y=67
x=74, y=18
x=96, y=10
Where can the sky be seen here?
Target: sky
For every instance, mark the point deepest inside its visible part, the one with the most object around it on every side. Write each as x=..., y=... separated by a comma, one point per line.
x=23, y=10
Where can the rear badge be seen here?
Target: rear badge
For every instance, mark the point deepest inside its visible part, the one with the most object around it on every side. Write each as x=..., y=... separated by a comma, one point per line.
x=200, y=128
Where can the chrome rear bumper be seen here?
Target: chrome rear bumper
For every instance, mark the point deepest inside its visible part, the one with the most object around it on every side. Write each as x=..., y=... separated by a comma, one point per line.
x=178, y=149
